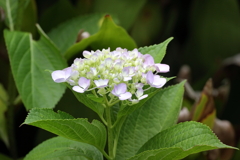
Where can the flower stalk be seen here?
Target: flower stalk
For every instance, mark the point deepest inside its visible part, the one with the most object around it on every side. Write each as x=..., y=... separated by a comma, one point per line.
x=110, y=133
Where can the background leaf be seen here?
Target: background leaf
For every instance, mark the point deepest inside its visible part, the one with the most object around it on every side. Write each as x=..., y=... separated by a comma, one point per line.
x=158, y=51
x=201, y=138
x=10, y=7
x=65, y=125
x=29, y=59
x=61, y=148
x=62, y=8
x=3, y=110
x=126, y=11
x=204, y=110
x=109, y=35
x=15, y=10
x=65, y=35
x=4, y=157
x=157, y=114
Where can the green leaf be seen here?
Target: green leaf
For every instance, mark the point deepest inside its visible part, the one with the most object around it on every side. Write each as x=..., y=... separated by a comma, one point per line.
x=83, y=98
x=158, y=113
x=129, y=109
x=10, y=7
x=150, y=26
x=109, y=35
x=180, y=141
x=3, y=110
x=29, y=59
x=125, y=10
x=65, y=35
x=4, y=157
x=64, y=10
x=61, y=148
x=27, y=16
x=14, y=9
x=95, y=99
x=126, y=110
x=66, y=126
x=157, y=51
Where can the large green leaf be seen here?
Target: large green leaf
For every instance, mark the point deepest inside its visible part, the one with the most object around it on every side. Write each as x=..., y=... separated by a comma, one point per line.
x=125, y=110
x=157, y=114
x=65, y=125
x=60, y=148
x=125, y=10
x=65, y=35
x=180, y=141
x=14, y=10
x=109, y=35
x=83, y=98
x=158, y=51
x=29, y=59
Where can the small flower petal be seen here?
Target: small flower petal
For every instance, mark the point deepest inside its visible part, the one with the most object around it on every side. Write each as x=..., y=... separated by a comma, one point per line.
x=125, y=96
x=142, y=97
x=162, y=68
x=139, y=92
x=148, y=60
x=84, y=83
x=139, y=85
x=60, y=76
x=101, y=83
x=87, y=54
x=119, y=89
x=158, y=81
x=150, y=78
x=78, y=89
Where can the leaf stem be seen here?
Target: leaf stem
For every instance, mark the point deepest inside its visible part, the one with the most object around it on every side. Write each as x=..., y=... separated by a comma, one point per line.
x=103, y=120
x=106, y=155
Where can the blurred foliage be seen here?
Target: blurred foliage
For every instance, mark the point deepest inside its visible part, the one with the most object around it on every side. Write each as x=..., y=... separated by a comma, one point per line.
x=205, y=32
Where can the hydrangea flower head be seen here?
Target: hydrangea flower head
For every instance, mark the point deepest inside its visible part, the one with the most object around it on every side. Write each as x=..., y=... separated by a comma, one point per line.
x=121, y=74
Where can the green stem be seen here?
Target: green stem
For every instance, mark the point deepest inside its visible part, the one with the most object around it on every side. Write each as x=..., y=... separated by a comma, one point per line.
x=105, y=155
x=103, y=120
x=12, y=92
x=110, y=132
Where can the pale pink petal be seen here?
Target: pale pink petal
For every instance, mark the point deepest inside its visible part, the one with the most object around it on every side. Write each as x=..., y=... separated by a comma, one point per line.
x=150, y=77
x=127, y=78
x=94, y=71
x=78, y=89
x=119, y=89
x=60, y=76
x=139, y=85
x=87, y=54
x=84, y=83
x=142, y=97
x=139, y=92
x=162, y=68
x=158, y=81
x=125, y=96
x=148, y=60
x=101, y=83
